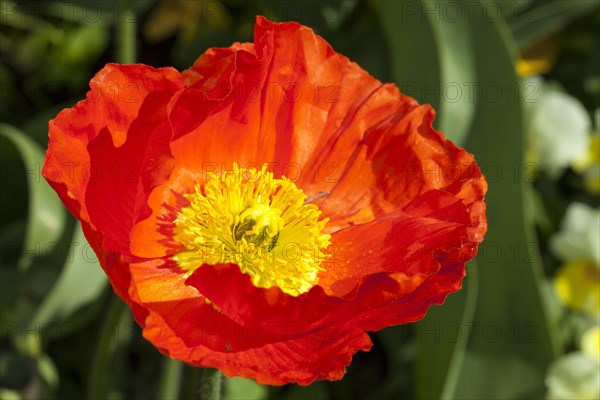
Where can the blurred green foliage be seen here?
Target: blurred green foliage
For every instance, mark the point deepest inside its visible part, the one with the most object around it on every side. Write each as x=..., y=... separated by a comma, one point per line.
x=494, y=339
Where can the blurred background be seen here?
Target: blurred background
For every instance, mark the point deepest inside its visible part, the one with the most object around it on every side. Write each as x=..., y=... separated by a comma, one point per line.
x=516, y=82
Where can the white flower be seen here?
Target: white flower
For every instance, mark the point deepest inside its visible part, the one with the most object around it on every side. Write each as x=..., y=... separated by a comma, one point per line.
x=559, y=128
x=574, y=376
x=579, y=236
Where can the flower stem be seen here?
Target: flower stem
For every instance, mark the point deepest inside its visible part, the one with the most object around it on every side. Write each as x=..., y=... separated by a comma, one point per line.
x=126, y=33
x=209, y=387
x=106, y=347
x=170, y=383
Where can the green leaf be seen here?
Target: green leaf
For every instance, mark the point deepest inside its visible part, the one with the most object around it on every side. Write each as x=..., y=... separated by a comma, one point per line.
x=82, y=281
x=442, y=338
x=438, y=68
x=47, y=371
x=84, y=43
x=47, y=215
x=415, y=63
x=544, y=18
x=501, y=376
x=453, y=35
x=244, y=389
x=363, y=42
x=7, y=394
x=511, y=321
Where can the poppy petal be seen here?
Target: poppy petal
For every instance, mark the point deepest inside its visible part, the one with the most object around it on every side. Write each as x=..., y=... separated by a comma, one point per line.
x=178, y=320
x=399, y=160
x=324, y=354
x=263, y=99
x=84, y=160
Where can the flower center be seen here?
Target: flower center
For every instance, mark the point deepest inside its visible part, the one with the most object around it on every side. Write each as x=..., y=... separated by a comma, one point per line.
x=262, y=224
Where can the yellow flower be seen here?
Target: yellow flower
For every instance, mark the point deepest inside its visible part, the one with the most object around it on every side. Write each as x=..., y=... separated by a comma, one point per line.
x=591, y=157
x=591, y=179
x=538, y=58
x=577, y=284
x=589, y=165
x=590, y=342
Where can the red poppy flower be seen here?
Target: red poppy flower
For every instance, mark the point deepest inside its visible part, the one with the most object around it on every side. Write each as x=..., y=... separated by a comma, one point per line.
x=264, y=209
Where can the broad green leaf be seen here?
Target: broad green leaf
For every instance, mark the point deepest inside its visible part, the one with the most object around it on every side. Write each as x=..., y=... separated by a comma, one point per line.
x=442, y=340
x=544, y=18
x=363, y=42
x=412, y=45
x=82, y=281
x=438, y=67
x=511, y=321
x=244, y=389
x=500, y=376
x=452, y=31
x=47, y=215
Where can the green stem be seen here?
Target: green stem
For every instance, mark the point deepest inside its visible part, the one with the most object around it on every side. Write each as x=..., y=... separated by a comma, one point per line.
x=170, y=382
x=209, y=387
x=105, y=349
x=126, y=33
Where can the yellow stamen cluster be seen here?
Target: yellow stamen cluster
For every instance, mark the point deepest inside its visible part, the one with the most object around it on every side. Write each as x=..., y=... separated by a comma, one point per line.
x=260, y=223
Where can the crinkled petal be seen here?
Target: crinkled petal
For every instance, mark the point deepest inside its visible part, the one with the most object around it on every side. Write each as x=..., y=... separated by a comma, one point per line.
x=179, y=321
x=288, y=100
x=112, y=148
